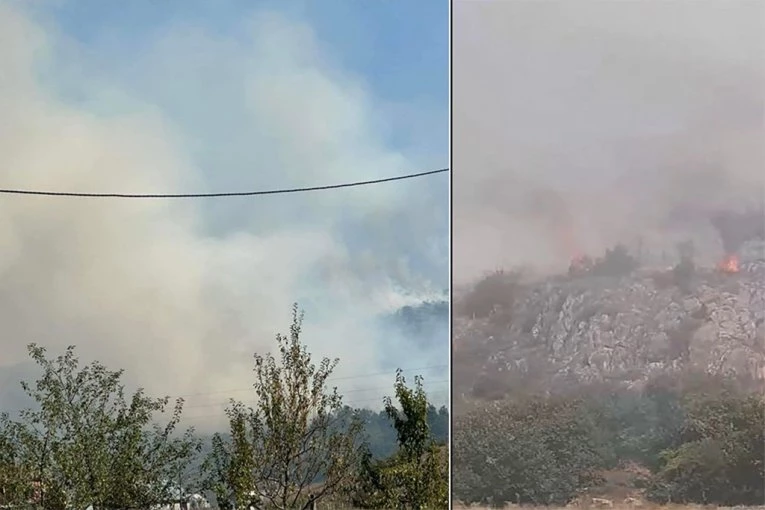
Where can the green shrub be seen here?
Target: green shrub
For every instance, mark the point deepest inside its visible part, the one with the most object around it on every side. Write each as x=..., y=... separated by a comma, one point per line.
x=497, y=290
x=617, y=261
x=540, y=451
x=700, y=438
x=720, y=456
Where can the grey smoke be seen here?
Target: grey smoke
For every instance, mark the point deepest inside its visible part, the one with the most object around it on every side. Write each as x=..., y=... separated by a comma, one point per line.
x=159, y=287
x=736, y=228
x=608, y=120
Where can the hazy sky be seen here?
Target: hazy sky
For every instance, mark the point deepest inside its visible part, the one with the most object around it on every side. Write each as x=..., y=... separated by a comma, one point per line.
x=189, y=96
x=578, y=124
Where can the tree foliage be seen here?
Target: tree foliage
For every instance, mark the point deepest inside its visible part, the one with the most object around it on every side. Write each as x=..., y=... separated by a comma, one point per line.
x=616, y=261
x=495, y=291
x=539, y=451
x=86, y=443
x=695, y=439
x=291, y=439
x=14, y=472
x=719, y=458
x=685, y=270
x=417, y=475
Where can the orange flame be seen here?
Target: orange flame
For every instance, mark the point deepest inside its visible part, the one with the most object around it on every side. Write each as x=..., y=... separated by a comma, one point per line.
x=730, y=264
x=580, y=264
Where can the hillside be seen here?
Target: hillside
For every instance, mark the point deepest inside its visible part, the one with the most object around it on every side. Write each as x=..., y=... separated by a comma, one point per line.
x=425, y=324
x=545, y=334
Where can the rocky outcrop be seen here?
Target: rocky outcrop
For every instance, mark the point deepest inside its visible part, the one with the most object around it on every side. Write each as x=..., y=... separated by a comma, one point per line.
x=592, y=329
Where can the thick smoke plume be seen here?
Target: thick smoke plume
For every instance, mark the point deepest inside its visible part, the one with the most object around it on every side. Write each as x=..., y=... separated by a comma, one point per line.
x=736, y=228
x=181, y=293
x=581, y=124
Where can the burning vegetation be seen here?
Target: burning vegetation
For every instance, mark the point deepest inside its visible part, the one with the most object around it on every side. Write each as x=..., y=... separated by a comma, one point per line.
x=616, y=261
x=735, y=229
x=580, y=264
x=730, y=264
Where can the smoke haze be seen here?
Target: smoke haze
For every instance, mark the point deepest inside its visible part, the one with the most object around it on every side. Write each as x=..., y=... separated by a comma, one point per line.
x=181, y=293
x=579, y=124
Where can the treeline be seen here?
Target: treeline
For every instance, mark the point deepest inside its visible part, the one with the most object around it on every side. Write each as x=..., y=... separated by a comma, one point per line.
x=696, y=438
x=381, y=435
x=86, y=443
x=499, y=290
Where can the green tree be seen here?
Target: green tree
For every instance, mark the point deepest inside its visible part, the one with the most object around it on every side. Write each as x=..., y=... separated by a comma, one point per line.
x=638, y=426
x=294, y=436
x=87, y=444
x=685, y=270
x=495, y=291
x=616, y=262
x=438, y=420
x=217, y=474
x=719, y=458
x=417, y=476
x=538, y=451
x=380, y=434
x=15, y=477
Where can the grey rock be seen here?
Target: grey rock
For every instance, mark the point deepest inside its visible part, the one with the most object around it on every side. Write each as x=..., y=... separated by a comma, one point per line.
x=626, y=329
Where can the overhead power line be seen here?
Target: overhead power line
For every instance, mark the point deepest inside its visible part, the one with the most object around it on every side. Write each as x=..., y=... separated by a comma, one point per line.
x=219, y=195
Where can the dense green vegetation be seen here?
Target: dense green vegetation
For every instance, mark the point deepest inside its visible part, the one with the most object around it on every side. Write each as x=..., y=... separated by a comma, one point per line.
x=417, y=474
x=699, y=438
x=380, y=433
x=85, y=442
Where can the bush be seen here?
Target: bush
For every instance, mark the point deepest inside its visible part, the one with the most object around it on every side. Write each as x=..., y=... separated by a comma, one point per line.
x=617, y=261
x=719, y=458
x=700, y=437
x=416, y=476
x=685, y=270
x=541, y=451
x=497, y=290
x=636, y=426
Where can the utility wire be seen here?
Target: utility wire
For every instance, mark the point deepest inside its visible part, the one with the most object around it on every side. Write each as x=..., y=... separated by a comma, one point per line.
x=218, y=195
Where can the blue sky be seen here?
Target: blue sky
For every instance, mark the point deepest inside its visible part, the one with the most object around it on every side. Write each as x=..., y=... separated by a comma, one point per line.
x=398, y=48
x=185, y=96
x=396, y=51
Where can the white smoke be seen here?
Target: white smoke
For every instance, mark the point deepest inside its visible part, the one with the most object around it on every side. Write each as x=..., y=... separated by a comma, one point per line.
x=604, y=118
x=181, y=293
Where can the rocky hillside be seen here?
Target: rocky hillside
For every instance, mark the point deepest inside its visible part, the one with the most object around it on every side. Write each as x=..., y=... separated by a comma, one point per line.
x=550, y=333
